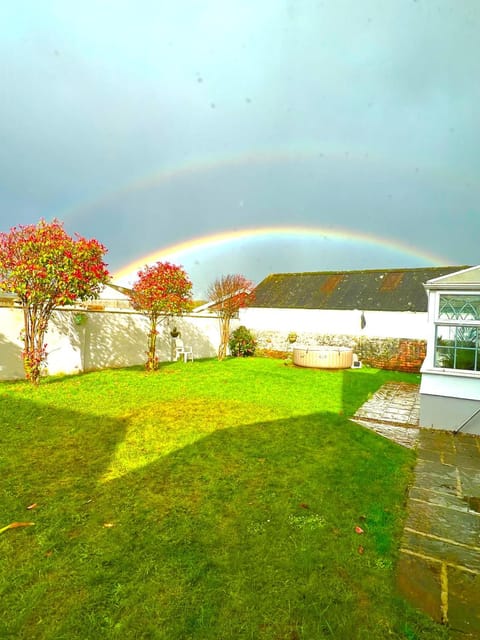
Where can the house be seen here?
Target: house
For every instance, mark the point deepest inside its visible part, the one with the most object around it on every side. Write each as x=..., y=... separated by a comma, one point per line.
x=7, y=299
x=450, y=386
x=112, y=296
x=381, y=313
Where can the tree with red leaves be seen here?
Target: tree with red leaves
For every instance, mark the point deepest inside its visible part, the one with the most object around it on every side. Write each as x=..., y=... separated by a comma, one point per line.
x=162, y=289
x=47, y=268
x=229, y=294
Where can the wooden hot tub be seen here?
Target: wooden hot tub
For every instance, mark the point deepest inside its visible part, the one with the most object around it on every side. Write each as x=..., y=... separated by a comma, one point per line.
x=323, y=357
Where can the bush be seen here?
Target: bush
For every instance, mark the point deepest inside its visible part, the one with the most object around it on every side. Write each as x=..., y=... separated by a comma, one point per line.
x=242, y=343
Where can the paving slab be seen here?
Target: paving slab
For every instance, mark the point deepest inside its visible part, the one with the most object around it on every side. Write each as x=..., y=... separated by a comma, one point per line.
x=393, y=412
x=394, y=403
x=419, y=580
x=463, y=597
x=453, y=554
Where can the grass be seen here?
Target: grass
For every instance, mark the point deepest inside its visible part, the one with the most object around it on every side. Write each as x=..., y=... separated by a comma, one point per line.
x=206, y=501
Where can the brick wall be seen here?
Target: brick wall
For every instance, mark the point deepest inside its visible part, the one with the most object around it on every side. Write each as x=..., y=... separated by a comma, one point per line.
x=396, y=354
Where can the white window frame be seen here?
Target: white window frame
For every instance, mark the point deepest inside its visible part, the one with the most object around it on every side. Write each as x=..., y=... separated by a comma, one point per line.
x=440, y=322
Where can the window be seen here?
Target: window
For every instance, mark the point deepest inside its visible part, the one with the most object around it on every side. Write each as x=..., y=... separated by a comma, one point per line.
x=457, y=333
x=459, y=308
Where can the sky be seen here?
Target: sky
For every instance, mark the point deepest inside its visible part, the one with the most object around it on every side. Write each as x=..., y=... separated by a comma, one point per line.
x=237, y=136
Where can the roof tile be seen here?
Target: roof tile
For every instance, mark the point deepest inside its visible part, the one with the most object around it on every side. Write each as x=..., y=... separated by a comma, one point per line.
x=371, y=289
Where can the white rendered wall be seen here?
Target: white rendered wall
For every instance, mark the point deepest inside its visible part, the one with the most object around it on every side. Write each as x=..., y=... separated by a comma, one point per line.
x=379, y=324
x=452, y=384
x=105, y=339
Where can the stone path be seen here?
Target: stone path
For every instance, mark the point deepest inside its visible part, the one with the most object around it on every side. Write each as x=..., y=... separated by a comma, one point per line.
x=393, y=412
x=439, y=566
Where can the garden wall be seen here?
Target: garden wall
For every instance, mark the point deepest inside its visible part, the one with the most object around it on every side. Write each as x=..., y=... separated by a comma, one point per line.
x=397, y=354
x=347, y=322
x=83, y=340
x=383, y=339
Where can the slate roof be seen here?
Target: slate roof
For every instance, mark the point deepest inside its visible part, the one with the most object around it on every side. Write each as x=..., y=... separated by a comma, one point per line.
x=372, y=289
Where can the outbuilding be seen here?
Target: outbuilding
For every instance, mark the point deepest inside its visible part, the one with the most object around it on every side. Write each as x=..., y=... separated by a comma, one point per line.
x=380, y=313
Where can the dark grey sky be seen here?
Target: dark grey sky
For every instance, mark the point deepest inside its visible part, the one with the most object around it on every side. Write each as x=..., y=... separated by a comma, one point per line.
x=151, y=123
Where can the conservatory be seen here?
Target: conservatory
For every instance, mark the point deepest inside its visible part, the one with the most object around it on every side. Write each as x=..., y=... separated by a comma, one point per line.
x=450, y=387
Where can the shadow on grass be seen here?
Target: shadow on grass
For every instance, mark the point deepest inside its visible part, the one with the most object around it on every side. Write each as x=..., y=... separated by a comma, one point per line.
x=248, y=532
x=66, y=457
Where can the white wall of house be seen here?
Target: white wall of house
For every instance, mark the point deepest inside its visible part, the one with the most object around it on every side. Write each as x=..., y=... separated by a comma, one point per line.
x=102, y=339
x=450, y=397
x=451, y=384
x=379, y=324
x=449, y=400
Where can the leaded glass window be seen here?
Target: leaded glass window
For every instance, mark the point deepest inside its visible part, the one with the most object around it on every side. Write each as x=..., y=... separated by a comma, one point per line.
x=457, y=338
x=459, y=307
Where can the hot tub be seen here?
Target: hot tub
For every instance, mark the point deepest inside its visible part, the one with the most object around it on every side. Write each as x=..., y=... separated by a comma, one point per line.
x=323, y=357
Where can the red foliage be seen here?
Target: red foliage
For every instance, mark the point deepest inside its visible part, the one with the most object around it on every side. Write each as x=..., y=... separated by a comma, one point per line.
x=42, y=264
x=229, y=294
x=47, y=268
x=161, y=289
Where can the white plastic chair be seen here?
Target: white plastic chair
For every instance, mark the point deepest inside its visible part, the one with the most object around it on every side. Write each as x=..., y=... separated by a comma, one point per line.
x=182, y=351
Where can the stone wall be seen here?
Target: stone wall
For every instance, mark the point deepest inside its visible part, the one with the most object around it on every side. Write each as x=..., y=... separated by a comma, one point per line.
x=398, y=354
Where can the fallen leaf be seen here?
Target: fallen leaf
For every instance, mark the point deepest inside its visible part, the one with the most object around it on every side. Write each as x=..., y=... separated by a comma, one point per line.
x=359, y=530
x=304, y=505
x=32, y=506
x=108, y=525
x=361, y=550
x=15, y=525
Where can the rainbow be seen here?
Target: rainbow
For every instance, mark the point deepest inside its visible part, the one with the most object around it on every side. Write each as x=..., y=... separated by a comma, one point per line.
x=197, y=165
x=226, y=239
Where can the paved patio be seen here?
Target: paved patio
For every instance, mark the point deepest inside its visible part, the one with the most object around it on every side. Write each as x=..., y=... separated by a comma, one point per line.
x=393, y=412
x=439, y=566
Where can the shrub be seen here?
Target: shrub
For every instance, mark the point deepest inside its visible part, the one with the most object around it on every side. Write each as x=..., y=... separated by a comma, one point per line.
x=242, y=343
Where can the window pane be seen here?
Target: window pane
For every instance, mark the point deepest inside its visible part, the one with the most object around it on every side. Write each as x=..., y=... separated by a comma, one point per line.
x=444, y=347
x=459, y=308
x=457, y=348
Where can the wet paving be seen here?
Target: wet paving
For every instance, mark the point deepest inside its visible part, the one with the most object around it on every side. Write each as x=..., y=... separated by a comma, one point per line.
x=439, y=565
x=393, y=412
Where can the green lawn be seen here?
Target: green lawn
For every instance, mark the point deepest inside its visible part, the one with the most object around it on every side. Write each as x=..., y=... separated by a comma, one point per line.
x=207, y=501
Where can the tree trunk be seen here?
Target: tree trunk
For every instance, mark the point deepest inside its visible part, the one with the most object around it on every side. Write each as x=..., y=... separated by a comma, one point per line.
x=224, y=335
x=34, y=351
x=152, y=360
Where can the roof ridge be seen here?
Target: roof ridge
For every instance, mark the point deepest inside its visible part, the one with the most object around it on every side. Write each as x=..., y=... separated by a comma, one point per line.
x=378, y=270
